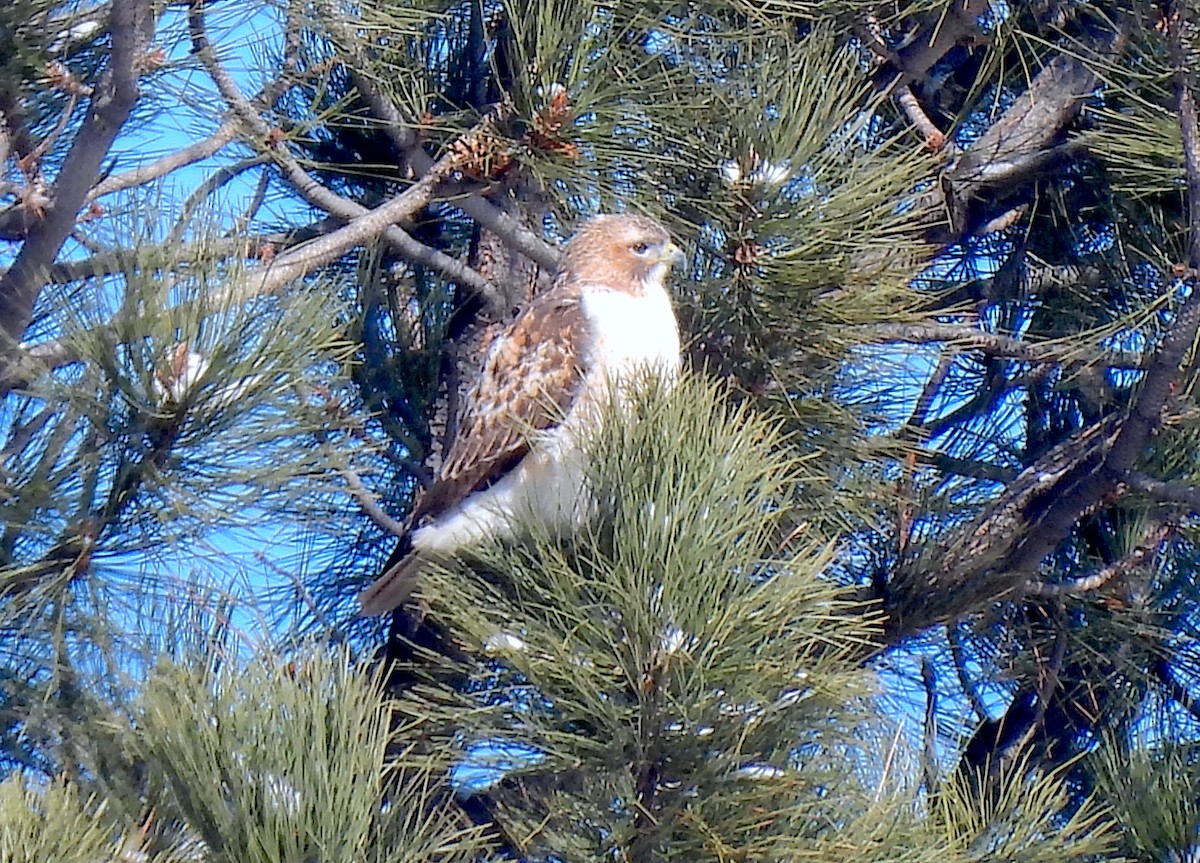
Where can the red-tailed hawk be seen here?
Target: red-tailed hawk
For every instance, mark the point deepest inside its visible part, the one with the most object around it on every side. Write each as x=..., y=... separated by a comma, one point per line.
x=545, y=378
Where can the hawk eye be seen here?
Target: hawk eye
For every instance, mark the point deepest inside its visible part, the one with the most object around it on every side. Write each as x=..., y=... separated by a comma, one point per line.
x=641, y=248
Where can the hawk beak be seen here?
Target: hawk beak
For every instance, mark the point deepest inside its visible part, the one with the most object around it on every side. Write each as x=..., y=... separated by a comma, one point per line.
x=672, y=254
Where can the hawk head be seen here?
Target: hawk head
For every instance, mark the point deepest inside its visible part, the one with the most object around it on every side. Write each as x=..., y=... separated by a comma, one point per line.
x=632, y=251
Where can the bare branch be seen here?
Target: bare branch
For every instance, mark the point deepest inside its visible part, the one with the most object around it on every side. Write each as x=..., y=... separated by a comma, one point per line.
x=316, y=193
x=967, y=467
x=369, y=505
x=106, y=262
x=225, y=133
x=929, y=756
x=1167, y=492
x=957, y=22
x=1002, y=222
x=1015, y=150
x=210, y=185
x=113, y=98
x=253, y=205
x=1117, y=569
x=969, y=568
x=935, y=138
x=1020, y=141
x=307, y=257
x=921, y=408
x=473, y=204
x=966, y=337
x=401, y=241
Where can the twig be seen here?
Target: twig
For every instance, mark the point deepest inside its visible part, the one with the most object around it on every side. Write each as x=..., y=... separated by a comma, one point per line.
x=1117, y=569
x=335, y=633
x=935, y=138
x=118, y=260
x=354, y=482
x=474, y=205
x=929, y=751
x=313, y=191
x=224, y=134
x=369, y=505
x=164, y=165
x=1049, y=679
x=304, y=258
x=963, y=336
x=130, y=25
x=242, y=224
x=920, y=411
x=211, y=184
x=400, y=240
x=968, y=686
x=32, y=159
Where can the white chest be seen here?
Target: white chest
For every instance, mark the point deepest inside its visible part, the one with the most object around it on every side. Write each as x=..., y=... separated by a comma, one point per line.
x=631, y=332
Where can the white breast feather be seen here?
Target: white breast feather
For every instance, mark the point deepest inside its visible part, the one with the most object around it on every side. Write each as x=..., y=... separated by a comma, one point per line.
x=630, y=333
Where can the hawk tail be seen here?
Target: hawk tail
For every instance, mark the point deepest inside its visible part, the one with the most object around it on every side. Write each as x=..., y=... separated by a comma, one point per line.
x=393, y=587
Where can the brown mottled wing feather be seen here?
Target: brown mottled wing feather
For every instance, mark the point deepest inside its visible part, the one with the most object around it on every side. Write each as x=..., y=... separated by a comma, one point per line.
x=529, y=380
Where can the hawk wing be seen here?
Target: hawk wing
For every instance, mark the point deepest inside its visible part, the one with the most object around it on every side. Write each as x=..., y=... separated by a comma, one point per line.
x=530, y=378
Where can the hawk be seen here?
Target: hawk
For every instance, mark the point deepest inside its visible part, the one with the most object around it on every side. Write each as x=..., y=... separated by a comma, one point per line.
x=544, y=381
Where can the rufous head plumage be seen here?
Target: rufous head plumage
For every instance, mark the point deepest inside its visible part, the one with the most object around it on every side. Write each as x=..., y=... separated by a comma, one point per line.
x=620, y=250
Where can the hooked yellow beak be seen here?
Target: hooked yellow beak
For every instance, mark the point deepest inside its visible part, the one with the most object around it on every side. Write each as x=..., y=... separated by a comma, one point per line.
x=672, y=254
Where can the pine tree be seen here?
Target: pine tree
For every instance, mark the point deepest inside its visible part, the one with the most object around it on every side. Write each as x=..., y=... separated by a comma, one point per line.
x=682, y=683
x=941, y=261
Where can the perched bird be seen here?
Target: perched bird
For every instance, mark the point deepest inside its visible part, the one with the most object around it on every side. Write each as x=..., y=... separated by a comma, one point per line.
x=543, y=383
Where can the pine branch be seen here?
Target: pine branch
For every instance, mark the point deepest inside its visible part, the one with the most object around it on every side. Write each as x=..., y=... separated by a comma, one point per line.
x=970, y=568
x=1154, y=537
x=1034, y=516
x=469, y=201
x=113, y=98
x=317, y=248
x=1020, y=146
x=309, y=188
x=225, y=133
x=1161, y=375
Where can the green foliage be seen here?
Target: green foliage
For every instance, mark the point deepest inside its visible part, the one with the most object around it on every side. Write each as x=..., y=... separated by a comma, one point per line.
x=1151, y=788
x=681, y=682
x=52, y=824
x=1016, y=811
x=187, y=409
x=274, y=761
